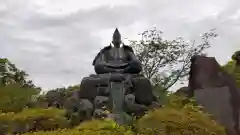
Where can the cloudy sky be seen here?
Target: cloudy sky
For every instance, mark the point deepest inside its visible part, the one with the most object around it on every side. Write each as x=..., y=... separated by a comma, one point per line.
x=56, y=40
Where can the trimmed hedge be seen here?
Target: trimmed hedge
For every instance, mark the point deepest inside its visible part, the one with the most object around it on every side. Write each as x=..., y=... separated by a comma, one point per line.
x=33, y=120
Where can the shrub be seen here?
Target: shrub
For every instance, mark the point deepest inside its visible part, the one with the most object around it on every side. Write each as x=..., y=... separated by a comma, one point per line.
x=94, y=127
x=233, y=70
x=176, y=117
x=13, y=98
x=33, y=120
x=179, y=118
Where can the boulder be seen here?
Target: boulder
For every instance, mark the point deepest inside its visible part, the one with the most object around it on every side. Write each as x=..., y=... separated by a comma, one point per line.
x=217, y=101
x=212, y=87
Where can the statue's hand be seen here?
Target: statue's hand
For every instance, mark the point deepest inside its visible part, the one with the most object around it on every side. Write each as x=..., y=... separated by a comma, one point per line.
x=119, y=70
x=116, y=64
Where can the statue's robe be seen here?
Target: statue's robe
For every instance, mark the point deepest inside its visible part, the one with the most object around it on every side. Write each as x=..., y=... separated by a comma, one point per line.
x=142, y=88
x=125, y=55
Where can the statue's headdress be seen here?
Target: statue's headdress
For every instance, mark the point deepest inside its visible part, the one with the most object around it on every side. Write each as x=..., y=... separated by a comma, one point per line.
x=116, y=35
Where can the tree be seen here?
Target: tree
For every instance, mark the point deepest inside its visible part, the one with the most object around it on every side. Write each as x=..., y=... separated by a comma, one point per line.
x=167, y=61
x=5, y=75
x=10, y=74
x=232, y=68
x=229, y=66
x=58, y=96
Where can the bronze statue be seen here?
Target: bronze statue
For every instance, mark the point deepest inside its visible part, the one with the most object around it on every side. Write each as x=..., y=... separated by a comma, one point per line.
x=117, y=59
x=117, y=78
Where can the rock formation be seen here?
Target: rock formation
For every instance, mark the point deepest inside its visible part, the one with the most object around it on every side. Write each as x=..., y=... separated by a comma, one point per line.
x=215, y=89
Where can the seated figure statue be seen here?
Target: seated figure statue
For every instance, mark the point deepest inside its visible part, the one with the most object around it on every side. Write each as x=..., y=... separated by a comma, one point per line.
x=121, y=60
x=117, y=59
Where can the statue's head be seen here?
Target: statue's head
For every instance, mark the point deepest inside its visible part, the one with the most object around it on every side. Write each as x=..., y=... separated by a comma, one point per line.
x=116, y=40
x=236, y=57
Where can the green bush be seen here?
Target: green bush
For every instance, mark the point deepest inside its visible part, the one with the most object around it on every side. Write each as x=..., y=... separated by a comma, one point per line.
x=94, y=127
x=33, y=120
x=233, y=70
x=14, y=98
x=178, y=117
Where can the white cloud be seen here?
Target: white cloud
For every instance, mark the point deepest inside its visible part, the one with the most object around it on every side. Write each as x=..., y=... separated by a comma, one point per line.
x=59, y=7
x=56, y=40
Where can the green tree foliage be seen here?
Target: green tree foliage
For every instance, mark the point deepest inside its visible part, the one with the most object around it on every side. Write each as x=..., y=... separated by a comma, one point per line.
x=230, y=66
x=10, y=74
x=167, y=61
x=16, y=92
x=13, y=98
x=160, y=93
x=5, y=75
x=58, y=96
x=234, y=70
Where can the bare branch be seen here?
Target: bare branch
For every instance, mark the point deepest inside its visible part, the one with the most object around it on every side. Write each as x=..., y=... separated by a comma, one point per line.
x=165, y=62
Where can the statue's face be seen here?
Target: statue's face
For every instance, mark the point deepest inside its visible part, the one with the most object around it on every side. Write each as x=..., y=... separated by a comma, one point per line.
x=116, y=38
x=117, y=43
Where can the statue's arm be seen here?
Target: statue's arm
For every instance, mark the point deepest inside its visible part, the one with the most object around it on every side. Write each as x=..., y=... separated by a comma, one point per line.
x=135, y=65
x=100, y=65
x=99, y=60
x=133, y=57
